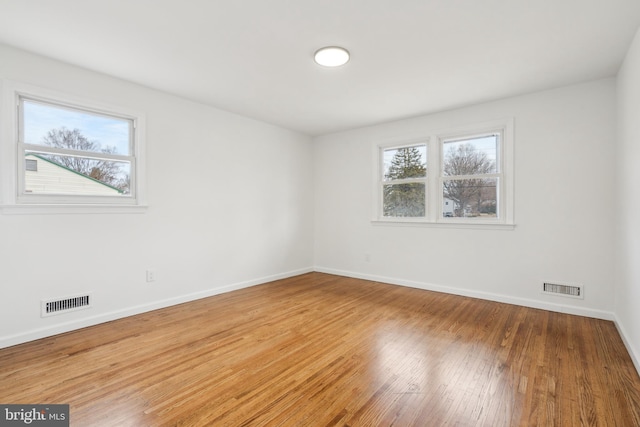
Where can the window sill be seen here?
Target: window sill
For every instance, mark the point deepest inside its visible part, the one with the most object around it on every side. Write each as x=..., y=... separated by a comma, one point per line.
x=443, y=224
x=25, y=209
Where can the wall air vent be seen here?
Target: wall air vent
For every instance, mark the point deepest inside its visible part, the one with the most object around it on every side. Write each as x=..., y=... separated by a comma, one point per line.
x=563, y=289
x=65, y=305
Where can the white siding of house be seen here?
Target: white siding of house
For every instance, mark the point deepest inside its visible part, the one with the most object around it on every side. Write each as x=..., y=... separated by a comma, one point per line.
x=53, y=179
x=448, y=206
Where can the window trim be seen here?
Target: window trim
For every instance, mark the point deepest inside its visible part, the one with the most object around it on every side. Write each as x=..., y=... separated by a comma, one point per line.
x=12, y=169
x=434, y=200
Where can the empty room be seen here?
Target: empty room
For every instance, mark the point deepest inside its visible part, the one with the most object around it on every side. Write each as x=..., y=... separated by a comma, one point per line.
x=320, y=213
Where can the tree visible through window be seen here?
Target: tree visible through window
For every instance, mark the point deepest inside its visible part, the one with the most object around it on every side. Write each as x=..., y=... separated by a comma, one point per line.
x=470, y=176
x=111, y=173
x=404, y=188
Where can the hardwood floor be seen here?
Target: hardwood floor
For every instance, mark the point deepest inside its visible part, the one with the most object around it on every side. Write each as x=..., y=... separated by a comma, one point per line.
x=322, y=350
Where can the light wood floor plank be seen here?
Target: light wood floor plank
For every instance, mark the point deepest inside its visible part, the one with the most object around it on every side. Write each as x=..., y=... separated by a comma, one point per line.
x=323, y=350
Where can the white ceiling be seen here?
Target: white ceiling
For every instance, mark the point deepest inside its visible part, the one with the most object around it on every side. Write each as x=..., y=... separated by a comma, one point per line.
x=255, y=57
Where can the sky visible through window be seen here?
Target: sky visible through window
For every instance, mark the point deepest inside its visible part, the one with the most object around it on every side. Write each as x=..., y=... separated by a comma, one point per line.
x=106, y=131
x=485, y=144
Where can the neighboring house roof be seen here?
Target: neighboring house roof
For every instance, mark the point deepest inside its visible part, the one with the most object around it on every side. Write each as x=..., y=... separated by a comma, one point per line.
x=67, y=180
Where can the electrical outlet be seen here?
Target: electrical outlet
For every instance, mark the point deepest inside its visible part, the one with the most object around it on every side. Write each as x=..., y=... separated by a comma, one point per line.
x=151, y=275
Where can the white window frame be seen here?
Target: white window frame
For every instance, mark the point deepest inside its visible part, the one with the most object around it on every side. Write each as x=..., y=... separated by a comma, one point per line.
x=434, y=181
x=13, y=198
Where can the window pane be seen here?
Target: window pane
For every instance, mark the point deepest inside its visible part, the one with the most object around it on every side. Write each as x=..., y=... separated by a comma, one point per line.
x=404, y=200
x=470, y=198
x=60, y=127
x=470, y=156
x=77, y=176
x=406, y=162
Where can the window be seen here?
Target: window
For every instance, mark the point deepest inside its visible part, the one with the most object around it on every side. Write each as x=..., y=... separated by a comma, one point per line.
x=84, y=153
x=404, y=181
x=460, y=177
x=71, y=152
x=470, y=176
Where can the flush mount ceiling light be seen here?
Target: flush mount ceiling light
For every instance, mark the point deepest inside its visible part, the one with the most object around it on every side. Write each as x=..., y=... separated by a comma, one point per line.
x=331, y=56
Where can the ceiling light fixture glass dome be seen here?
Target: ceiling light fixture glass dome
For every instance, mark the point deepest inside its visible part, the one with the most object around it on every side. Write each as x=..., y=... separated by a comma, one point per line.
x=331, y=56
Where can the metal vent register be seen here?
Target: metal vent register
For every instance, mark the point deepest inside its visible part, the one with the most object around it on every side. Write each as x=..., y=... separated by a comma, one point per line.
x=573, y=291
x=59, y=306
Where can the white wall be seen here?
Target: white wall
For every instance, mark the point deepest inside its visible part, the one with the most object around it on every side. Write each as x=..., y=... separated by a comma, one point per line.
x=564, y=206
x=628, y=202
x=229, y=206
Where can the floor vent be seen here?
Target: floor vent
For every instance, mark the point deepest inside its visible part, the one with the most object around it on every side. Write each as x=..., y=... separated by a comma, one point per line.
x=573, y=291
x=59, y=306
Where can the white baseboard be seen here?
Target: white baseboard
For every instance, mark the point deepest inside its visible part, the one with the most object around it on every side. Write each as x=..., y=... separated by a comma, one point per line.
x=35, y=334
x=635, y=356
x=525, y=302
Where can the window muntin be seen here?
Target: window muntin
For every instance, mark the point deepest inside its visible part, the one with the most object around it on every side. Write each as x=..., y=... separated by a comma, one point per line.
x=404, y=181
x=84, y=155
x=470, y=176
